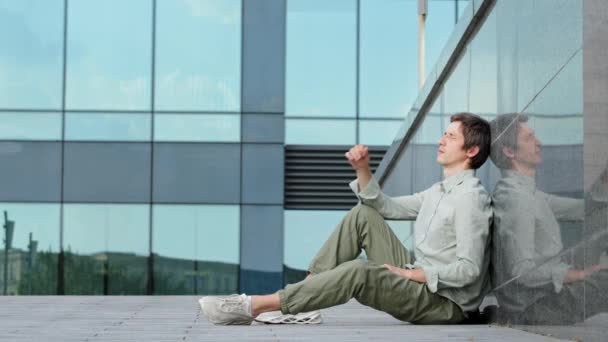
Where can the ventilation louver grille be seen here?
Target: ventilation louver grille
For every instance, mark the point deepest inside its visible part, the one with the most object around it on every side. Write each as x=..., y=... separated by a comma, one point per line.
x=317, y=177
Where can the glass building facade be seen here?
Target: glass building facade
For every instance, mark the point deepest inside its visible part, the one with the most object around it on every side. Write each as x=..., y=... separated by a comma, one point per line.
x=536, y=70
x=142, y=142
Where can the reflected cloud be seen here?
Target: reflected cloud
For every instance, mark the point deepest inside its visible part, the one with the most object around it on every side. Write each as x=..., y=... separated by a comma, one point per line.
x=226, y=12
x=196, y=91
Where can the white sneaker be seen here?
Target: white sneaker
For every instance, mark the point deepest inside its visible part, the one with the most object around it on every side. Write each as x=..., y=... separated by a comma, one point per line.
x=227, y=310
x=276, y=317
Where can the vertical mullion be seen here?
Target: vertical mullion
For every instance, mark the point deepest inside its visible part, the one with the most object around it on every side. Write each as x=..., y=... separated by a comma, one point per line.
x=60, y=259
x=150, y=285
x=357, y=71
x=240, y=205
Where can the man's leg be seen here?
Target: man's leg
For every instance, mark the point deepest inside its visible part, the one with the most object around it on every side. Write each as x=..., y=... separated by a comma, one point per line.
x=362, y=228
x=372, y=285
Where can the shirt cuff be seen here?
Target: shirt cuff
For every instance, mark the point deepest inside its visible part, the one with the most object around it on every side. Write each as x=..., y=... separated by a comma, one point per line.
x=432, y=278
x=371, y=191
x=557, y=275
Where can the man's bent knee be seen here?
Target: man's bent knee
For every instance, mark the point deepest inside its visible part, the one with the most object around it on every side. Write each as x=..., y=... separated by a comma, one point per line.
x=365, y=211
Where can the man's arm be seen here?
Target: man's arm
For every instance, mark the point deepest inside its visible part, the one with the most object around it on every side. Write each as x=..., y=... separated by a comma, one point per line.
x=368, y=191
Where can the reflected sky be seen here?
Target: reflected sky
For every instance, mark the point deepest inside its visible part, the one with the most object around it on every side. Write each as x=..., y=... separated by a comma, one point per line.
x=98, y=228
x=201, y=69
x=30, y=126
x=378, y=132
x=107, y=126
x=197, y=232
x=97, y=76
x=388, y=60
x=321, y=58
x=31, y=58
x=320, y=132
x=197, y=127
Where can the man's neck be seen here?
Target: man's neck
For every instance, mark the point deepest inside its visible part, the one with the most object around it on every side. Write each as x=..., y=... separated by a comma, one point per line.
x=450, y=171
x=525, y=170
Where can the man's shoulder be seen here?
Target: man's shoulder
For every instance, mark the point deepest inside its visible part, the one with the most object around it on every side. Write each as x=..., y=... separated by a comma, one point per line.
x=472, y=185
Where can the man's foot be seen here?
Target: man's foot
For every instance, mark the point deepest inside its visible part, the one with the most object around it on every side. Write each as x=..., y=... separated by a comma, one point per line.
x=276, y=317
x=227, y=310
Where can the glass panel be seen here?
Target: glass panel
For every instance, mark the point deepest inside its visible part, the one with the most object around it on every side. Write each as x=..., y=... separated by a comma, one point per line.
x=106, y=248
x=208, y=76
x=197, y=127
x=30, y=126
x=32, y=257
x=378, y=132
x=107, y=126
x=196, y=249
x=535, y=50
x=320, y=132
x=107, y=172
x=97, y=76
x=31, y=58
x=31, y=171
x=321, y=58
x=305, y=233
x=197, y=173
x=388, y=61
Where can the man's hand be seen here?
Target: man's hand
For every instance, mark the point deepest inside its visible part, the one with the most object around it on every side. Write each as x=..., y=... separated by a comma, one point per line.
x=574, y=275
x=416, y=274
x=358, y=157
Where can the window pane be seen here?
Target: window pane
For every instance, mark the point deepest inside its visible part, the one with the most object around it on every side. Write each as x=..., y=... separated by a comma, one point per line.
x=388, y=61
x=320, y=132
x=197, y=127
x=106, y=248
x=107, y=172
x=31, y=58
x=30, y=126
x=107, y=126
x=378, y=132
x=32, y=266
x=109, y=54
x=207, y=77
x=31, y=171
x=197, y=173
x=321, y=56
x=196, y=249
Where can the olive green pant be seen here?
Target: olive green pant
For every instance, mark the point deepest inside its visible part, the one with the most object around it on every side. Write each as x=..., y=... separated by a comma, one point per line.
x=339, y=276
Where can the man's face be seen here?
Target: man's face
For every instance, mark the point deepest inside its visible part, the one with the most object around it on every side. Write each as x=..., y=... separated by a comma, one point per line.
x=451, y=146
x=528, y=151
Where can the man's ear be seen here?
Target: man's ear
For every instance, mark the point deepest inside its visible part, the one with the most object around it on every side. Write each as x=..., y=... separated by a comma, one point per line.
x=472, y=151
x=508, y=152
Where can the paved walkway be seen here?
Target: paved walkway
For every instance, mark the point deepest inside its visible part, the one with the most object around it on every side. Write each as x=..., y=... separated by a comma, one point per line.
x=178, y=318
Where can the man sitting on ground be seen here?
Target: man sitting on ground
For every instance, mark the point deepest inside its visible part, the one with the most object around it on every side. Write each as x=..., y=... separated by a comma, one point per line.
x=450, y=274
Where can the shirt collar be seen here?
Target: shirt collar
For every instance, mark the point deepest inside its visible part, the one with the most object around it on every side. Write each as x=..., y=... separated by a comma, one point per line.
x=449, y=183
x=519, y=178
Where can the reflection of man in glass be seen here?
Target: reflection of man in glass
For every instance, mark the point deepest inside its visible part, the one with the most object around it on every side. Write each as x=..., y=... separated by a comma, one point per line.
x=534, y=285
x=448, y=278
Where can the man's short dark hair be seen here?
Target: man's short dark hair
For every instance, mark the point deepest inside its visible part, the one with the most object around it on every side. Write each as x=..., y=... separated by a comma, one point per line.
x=476, y=131
x=505, y=128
